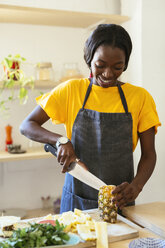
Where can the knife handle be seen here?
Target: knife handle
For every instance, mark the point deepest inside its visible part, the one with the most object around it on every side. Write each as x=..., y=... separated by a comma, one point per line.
x=51, y=148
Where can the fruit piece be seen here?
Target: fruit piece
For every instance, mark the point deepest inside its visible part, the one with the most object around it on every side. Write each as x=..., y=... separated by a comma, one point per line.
x=85, y=232
x=101, y=235
x=52, y=222
x=106, y=205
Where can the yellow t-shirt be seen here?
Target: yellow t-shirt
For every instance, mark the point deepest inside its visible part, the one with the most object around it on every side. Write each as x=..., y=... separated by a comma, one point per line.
x=64, y=102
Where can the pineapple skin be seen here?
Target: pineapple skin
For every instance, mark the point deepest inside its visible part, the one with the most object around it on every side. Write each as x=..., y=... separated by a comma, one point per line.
x=108, y=209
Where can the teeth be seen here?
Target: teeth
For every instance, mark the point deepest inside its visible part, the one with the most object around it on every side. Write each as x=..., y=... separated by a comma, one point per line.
x=104, y=81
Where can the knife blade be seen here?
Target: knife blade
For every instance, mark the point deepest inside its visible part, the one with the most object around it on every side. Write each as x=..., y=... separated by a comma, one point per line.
x=78, y=171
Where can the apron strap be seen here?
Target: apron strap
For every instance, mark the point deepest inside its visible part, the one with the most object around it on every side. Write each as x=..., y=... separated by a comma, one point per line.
x=122, y=96
x=123, y=99
x=87, y=93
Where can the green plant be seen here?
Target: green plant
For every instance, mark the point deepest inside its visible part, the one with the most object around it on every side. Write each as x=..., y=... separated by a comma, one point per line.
x=15, y=79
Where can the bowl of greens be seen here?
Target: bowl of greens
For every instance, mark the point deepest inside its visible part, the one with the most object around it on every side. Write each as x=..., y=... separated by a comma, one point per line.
x=40, y=235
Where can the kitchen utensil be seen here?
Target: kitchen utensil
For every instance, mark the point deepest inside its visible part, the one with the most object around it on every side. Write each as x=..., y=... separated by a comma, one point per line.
x=15, y=149
x=78, y=171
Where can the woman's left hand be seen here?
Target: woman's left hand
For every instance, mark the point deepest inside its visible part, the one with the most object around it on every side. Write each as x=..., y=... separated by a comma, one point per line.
x=125, y=193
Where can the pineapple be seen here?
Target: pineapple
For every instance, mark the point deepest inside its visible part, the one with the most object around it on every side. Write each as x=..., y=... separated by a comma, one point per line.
x=106, y=205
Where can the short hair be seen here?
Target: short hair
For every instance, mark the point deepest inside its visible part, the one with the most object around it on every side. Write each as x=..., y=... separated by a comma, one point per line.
x=108, y=34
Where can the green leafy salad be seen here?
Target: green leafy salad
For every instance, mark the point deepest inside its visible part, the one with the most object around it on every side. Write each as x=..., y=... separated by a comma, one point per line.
x=37, y=235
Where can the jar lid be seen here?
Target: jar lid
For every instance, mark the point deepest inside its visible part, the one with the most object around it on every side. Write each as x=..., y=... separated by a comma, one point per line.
x=45, y=64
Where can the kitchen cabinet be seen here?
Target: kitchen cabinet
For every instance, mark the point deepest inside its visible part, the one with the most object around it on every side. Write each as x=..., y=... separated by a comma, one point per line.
x=53, y=17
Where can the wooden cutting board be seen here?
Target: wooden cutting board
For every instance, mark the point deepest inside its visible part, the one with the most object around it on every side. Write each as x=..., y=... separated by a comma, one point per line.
x=150, y=215
x=116, y=232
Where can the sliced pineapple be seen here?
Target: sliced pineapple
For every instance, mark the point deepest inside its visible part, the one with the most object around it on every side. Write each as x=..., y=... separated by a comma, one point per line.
x=106, y=206
x=101, y=234
x=85, y=232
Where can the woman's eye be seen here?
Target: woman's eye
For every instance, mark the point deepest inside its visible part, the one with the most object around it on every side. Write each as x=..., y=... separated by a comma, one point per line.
x=118, y=69
x=99, y=66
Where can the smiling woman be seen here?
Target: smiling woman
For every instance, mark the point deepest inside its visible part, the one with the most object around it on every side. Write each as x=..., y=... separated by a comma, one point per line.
x=104, y=119
x=107, y=65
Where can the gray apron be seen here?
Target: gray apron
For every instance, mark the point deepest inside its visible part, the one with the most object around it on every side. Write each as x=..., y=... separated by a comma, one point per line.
x=103, y=141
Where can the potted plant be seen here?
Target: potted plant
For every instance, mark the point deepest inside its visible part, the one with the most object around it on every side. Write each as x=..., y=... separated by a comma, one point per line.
x=15, y=78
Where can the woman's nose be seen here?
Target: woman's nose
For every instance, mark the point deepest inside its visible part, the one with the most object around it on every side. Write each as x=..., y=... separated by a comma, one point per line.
x=108, y=73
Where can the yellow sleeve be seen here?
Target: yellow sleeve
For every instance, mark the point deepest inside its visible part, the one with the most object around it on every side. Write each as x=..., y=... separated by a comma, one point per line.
x=148, y=116
x=54, y=103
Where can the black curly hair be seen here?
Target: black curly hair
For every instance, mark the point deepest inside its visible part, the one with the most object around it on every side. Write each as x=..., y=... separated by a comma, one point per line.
x=108, y=34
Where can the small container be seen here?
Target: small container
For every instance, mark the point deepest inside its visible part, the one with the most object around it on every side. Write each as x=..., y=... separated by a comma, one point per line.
x=44, y=72
x=9, y=140
x=70, y=70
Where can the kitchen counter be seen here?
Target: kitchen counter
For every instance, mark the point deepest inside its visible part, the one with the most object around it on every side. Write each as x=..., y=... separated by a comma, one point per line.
x=149, y=215
x=143, y=232
x=33, y=153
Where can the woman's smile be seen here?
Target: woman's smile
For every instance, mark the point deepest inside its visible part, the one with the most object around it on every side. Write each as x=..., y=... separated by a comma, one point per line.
x=107, y=65
x=105, y=82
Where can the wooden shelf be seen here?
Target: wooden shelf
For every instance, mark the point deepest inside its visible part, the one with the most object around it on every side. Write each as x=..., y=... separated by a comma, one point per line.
x=36, y=153
x=37, y=84
x=53, y=17
x=45, y=84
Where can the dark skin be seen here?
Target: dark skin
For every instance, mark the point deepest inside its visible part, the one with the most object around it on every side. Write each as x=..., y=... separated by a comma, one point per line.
x=32, y=128
x=107, y=65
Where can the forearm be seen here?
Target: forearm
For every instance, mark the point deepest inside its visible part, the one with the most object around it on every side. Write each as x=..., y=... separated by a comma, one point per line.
x=34, y=131
x=145, y=169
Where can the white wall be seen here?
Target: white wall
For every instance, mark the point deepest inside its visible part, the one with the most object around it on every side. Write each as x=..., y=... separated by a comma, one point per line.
x=153, y=50
x=22, y=183
x=146, y=69
x=132, y=8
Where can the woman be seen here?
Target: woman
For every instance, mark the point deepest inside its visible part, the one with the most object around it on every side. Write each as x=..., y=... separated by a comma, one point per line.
x=104, y=119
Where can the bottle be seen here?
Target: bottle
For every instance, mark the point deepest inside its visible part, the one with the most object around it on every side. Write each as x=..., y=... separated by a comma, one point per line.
x=9, y=140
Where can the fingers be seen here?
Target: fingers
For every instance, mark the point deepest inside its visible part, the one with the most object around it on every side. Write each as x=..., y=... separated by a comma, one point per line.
x=67, y=164
x=83, y=165
x=65, y=156
x=120, y=188
x=124, y=193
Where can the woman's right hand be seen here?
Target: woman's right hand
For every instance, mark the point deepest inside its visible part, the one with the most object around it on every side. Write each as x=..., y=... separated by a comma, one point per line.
x=66, y=155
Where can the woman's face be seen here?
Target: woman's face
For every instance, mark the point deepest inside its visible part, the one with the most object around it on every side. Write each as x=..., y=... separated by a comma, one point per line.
x=107, y=65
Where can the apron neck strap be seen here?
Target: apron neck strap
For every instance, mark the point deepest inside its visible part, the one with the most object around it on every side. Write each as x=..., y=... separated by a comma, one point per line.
x=87, y=93
x=123, y=99
x=122, y=96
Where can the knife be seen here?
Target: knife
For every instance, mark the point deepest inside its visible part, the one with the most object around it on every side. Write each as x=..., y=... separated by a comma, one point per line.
x=78, y=171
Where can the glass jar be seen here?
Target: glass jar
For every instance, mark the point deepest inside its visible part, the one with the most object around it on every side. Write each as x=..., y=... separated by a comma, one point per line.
x=69, y=71
x=44, y=71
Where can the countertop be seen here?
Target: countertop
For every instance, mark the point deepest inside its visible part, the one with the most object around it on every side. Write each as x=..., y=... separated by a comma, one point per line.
x=149, y=215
